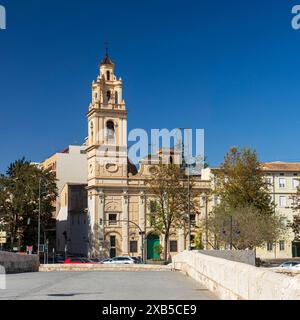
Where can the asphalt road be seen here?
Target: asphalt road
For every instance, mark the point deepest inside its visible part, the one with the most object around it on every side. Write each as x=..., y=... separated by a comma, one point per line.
x=103, y=285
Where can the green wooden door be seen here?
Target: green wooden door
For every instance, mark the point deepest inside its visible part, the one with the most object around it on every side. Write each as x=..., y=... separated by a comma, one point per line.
x=152, y=241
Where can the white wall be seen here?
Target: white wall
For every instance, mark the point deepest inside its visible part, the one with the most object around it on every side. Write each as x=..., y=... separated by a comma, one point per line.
x=72, y=167
x=234, y=280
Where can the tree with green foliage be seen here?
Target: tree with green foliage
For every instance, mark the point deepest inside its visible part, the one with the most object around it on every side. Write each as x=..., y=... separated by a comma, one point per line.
x=169, y=204
x=20, y=190
x=245, y=216
x=244, y=227
x=295, y=223
x=240, y=181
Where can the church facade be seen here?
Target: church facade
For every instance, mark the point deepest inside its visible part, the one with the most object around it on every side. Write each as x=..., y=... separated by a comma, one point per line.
x=103, y=205
x=118, y=210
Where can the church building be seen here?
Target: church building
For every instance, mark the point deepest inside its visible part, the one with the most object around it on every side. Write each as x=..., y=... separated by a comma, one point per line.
x=117, y=195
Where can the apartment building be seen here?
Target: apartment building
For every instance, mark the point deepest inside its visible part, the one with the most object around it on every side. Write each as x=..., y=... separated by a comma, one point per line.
x=283, y=178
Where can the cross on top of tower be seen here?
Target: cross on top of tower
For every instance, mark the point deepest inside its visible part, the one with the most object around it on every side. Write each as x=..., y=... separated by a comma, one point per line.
x=106, y=59
x=106, y=47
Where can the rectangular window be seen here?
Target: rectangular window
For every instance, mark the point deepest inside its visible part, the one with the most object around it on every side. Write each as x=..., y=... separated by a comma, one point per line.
x=295, y=183
x=192, y=241
x=152, y=206
x=270, y=246
x=193, y=219
x=173, y=246
x=281, y=245
x=282, y=201
x=294, y=201
x=281, y=182
x=269, y=181
x=217, y=200
x=112, y=219
x=133, y=246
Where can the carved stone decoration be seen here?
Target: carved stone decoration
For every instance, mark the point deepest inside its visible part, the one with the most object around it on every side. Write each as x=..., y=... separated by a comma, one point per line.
x=152, y=170
x=101, y=196
x=125, y=196
x=142, y=197
x=91, y=169
x=113, y=206
x=111, y=167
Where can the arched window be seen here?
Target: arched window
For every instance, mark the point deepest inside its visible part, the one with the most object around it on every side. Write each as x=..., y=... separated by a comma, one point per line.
x=107, y=75
x=110, y=131
x=108, y=95
x=116, y=97
x=92, y=132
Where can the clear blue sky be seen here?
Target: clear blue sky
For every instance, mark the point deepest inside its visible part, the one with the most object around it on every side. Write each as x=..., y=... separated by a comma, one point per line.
x=230, y=67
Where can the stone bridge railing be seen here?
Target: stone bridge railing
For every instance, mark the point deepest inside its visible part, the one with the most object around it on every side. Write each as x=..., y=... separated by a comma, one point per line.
x=235, y=280
x=18, y=263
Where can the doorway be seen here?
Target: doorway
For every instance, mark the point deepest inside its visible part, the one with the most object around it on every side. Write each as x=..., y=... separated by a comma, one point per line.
x=152, y=242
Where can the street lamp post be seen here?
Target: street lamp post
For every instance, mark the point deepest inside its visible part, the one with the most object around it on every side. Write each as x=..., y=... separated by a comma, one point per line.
x=231, y=238
x=141, y=232
x=236, y=231
x=205, y=200
x=189, y=214
x=39, y=217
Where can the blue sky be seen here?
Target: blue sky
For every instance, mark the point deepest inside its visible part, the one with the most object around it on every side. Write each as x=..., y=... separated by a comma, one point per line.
x=230, y=67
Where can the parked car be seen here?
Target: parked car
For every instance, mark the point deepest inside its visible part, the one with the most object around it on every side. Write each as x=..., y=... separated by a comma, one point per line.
x=96, y=260
x=290, y=264
x=78, y=260
x=106, y=261
x=295, y=266
x=119, y=260
x=137, y=259
x=59, y=259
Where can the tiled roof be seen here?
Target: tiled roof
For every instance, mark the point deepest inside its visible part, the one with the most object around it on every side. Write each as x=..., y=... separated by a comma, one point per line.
x=106, y=60
x=281, y=166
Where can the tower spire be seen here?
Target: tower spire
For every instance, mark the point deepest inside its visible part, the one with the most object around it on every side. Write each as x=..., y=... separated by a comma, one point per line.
x=106, y=59
x=106, y=43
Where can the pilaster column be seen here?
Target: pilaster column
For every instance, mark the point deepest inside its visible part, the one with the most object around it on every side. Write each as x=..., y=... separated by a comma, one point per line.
x=101, y=215
x=142, y=211
x=125, y=229
x=142, y=222
x=181, y=240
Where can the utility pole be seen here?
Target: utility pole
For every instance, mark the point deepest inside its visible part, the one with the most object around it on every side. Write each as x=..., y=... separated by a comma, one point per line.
x=39, y=217
x=189, y=214
x=206, y=222
x=205, y=200
x=230, y=232
x=184, y=166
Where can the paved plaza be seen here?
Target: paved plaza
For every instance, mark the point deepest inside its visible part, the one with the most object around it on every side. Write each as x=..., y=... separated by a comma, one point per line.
x=103, y=285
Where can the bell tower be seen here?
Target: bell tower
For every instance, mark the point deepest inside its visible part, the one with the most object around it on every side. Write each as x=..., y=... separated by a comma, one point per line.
x=107, y=122
x=106, y=149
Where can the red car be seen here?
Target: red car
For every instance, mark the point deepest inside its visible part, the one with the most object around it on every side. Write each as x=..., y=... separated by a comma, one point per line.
x=78, y=261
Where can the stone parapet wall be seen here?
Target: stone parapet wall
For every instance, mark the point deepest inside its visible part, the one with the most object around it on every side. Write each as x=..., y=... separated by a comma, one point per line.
x=103, y=267
x=235, y=280
x=286, y=271
x=244, y=256
x=18, y=263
